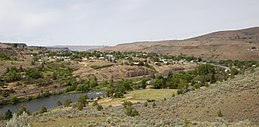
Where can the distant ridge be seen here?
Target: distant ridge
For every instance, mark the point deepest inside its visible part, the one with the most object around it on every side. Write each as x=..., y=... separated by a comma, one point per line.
x=75, y=47
x=233, y=44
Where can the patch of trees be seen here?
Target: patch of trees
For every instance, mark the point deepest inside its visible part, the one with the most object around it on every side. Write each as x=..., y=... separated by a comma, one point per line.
x=238, y=64
x=12, y=74
x=203, y=75
x=119, y=88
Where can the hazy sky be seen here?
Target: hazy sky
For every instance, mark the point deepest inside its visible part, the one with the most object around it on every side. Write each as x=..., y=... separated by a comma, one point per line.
x=109, y=22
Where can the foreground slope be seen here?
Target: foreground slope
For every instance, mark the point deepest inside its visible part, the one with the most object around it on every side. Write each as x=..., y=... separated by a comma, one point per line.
x=236, y=99
x=235, y=45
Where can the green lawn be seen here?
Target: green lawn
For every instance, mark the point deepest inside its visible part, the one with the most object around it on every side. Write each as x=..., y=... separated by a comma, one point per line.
x=139, y=96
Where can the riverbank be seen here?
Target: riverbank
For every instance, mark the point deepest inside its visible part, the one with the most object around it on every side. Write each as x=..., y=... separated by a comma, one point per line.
x=49, y=102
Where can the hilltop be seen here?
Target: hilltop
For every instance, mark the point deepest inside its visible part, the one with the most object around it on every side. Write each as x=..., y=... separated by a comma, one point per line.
x=235, y=45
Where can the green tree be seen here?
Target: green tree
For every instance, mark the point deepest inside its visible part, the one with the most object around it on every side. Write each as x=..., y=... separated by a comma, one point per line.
x=12, y=75
x=14, y=100
x=82, y=99
x=205, y=69
x=80, y=106
x=34, y=73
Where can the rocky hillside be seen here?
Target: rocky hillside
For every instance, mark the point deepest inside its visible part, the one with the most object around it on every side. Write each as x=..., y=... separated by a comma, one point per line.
x=235, y=45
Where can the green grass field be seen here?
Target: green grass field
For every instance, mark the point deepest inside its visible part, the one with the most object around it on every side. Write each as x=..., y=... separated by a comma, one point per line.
x=139, y=96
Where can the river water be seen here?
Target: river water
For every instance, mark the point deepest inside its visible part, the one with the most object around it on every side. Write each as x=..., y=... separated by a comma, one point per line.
x=48, y=102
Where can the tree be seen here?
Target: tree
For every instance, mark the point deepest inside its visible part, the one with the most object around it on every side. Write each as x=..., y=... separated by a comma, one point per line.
x=34, y=73
x=82, y=101
x=93, y=82
x=80, y=106
x=43, y=109
x=12, y=75
x=67, y=102
x=205, y=69
x=14, y=100
x=8, y=114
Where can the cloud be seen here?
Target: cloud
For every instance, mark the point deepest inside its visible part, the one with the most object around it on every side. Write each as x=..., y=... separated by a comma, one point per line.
x=106, y=22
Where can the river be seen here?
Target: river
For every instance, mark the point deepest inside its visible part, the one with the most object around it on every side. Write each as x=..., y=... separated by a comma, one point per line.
x=48, y=102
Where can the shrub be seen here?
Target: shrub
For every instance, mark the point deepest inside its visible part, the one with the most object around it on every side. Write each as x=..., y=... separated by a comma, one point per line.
x=80, y=106
x=14, y=100
x=22, y=110
x=220, y=114
x=34, y=73
x=148, y=100
x=12, y=75
x=19, y=121
x=8, y=114
x=43, y=109
x=154, y=105
x=130, y=111
x=127, y=104
x=59, y=103
x=99, y=107
x=67, y=102
x=82, y=99
x=95, y=103
x=145, y=104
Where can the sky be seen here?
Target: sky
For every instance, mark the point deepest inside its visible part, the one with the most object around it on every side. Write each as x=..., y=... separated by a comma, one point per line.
x=111, y=22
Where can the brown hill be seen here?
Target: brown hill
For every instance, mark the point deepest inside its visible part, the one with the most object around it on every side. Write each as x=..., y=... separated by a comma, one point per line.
x=235, y=45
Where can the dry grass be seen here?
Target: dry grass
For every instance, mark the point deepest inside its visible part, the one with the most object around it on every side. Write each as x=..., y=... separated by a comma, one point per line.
x=65, y=122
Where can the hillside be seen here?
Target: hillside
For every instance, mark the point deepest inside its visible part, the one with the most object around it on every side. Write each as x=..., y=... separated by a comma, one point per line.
x=235, y=45
x=235, y=99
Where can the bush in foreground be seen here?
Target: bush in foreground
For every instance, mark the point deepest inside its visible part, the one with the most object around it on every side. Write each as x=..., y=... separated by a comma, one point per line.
x=130, y=111
x=19, y=121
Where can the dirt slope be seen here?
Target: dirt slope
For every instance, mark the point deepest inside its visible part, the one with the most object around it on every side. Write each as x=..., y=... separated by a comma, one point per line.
x=219, y=45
